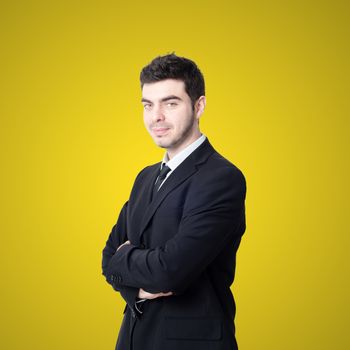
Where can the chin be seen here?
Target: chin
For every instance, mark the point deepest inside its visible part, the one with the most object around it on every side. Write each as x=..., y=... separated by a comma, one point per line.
x=161, y=142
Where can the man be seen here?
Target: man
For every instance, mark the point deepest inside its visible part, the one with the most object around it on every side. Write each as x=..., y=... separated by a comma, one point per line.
x=171, y=254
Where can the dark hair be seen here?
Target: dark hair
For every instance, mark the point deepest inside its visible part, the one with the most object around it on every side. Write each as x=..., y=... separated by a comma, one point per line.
x=172, y=66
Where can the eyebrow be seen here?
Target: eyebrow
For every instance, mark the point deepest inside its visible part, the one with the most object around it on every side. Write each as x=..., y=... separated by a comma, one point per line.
x=164, y=99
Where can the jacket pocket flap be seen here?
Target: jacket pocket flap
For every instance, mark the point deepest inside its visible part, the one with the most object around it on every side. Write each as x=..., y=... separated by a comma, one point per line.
x=193, y=328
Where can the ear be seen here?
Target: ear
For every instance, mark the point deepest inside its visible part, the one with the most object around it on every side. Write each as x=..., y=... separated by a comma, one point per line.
x=200, y=106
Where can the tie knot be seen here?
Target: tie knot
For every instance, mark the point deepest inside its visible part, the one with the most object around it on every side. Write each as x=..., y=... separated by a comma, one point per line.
x=164, y=172
x=160, y=179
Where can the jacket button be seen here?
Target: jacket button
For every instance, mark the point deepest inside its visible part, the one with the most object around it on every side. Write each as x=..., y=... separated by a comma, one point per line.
x=112, y=278
x=119, y=279
x=133, y=313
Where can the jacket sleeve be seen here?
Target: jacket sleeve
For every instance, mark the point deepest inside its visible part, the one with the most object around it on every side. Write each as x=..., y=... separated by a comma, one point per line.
x=118, y=236
x=213, y=214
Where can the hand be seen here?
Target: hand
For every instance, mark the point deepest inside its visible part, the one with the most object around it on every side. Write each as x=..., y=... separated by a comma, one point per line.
x=127, y=242
x=145, y=295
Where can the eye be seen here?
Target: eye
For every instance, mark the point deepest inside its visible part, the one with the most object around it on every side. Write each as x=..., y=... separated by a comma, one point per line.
x=147, y=106
x=171, y=104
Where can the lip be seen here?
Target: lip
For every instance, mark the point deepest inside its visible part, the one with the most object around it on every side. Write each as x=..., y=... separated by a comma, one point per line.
x=160, y=131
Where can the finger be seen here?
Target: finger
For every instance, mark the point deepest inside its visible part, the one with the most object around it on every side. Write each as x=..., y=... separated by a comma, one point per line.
x=127, y=242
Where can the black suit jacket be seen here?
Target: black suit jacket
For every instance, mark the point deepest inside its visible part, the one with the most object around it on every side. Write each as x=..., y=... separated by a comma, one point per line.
x=185, y=241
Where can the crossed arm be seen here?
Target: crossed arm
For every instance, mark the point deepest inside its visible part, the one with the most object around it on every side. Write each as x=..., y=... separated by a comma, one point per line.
x=214, y=215
x=117, y=239
x=142, y=294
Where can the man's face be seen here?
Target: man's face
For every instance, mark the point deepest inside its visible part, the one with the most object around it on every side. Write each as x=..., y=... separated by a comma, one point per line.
x=168, y=114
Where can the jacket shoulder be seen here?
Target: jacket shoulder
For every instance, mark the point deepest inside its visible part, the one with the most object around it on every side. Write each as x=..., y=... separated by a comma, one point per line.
x=221, y=168
x=146, y=170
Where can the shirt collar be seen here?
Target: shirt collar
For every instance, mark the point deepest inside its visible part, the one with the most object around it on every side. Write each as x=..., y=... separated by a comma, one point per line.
x=181, y=156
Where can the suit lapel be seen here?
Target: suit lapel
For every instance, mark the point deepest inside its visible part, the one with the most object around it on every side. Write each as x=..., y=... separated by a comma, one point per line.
x=186, y=169
x=141, y=200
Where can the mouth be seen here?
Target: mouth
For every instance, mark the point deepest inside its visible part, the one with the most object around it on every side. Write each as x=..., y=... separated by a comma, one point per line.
x=158, y=131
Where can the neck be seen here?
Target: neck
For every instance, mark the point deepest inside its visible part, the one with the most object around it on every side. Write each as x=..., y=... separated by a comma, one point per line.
x=172, y=152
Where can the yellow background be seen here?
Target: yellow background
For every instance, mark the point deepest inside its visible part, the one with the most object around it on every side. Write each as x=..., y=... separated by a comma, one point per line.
x=73, y=140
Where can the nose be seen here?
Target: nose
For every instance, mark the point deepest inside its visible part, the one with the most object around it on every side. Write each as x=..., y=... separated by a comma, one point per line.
x=157, y=114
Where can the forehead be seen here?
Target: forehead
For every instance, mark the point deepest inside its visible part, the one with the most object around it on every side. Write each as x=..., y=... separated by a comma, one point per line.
x=164, y=88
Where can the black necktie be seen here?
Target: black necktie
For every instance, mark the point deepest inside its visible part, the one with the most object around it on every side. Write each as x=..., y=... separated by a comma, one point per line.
x=161, y=177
